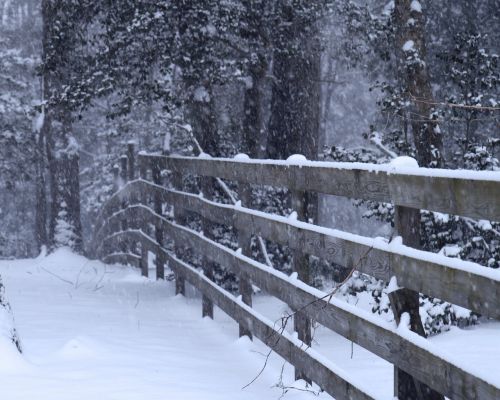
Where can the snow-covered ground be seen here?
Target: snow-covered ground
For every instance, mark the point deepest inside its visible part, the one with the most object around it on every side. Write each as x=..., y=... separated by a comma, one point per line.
x=91, y=331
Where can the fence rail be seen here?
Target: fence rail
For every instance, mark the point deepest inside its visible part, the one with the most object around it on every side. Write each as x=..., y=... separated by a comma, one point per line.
x=474, y=194
x=136, y=215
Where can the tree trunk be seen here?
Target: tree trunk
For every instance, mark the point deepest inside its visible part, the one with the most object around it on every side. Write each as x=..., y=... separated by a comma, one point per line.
x=294, y=124
x=41, y=234
x=295, y=105
x=413, y=73
x=61, y=153
x=203, y=118
x=253, y=118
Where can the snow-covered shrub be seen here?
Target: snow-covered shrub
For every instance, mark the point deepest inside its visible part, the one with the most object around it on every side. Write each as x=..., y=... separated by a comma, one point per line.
x=7, y=329
x=453, y=236
x=64, y=235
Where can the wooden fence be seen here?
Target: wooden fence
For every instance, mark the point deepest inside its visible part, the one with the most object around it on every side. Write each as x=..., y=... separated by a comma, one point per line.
x=137, y=220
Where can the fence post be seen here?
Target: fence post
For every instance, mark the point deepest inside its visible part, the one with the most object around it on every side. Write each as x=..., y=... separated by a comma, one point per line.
x=159, y=234
x=180, y=285
x=302, y=323
x=143, y=174
x=245, y=243
x=142, y=199
x=407, y=225
x=123, y=167
x=207, y=187
x=124, y=176
x=115, y=171
x=131, y=160
x=144, y=261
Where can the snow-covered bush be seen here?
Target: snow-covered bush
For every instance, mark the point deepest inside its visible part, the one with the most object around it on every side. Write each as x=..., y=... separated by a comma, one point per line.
x=453, y=236
x=7, y=329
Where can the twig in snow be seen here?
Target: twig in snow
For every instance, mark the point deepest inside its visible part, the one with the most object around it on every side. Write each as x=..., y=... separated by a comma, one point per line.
x=97, y=285
x=58, y=277
x=231, y=196
x=285, y=388
x=284, y=320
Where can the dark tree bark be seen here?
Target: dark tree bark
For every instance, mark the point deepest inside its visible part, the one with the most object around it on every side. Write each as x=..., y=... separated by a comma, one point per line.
x=61, y=153
x=41, y=234
x=253, y=118
x=414, y=74
x=295, y=105
x=294, y=125
x=203, y=119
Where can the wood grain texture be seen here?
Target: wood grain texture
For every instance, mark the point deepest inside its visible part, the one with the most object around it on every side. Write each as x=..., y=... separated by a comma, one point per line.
x=473, y=291
x=467, y=197
x=122, y=258
x=410, y=353
x=411, y=357
x=407, y=225
x=469, y=290
x=300, y=265
x=245, y=244
x=292, y=352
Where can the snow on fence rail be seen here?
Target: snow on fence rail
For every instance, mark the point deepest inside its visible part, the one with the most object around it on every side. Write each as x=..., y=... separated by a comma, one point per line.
x=474, y=194
x=135, y=215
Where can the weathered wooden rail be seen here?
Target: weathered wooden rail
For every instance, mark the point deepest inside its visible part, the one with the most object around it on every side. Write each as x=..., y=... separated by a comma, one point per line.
x=137, y=220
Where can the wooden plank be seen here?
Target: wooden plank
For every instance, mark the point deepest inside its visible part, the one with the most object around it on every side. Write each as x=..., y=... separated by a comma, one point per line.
x=471, y=197
x=123, y=168
x=131, y=160
x=330, y=381
x=473, y=291
x=177, y=181
x=115, y=171
x=300, y=265
x=144, y=261
x=415, y=357
x=122, y=258
x=136, y=236
x=124, y=246
x=412, y=357
x=158, y=207
x=208, y=266
x=245, y=244
x=407, y=225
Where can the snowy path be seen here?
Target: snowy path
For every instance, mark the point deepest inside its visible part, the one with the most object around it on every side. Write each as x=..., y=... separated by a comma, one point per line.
x=95, y=332
x=91, y=331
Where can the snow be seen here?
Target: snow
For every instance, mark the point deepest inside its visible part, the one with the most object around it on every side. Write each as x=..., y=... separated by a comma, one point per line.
x=396, y=245
x=393, y=285
x=91, y=330
x=201, y=95
x=367, y=316
x=297, y=158
x=409, y=46
x=416, y=6
x=403, y=161
x=377, y=168
x=11, y=361
x=451, y=250
x=204, y=156
x=484, y=225
x=38, y=122
x=241, y=156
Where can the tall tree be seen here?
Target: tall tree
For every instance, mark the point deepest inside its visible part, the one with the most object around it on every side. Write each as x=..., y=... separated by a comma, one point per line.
x=410, y=43
x=295, y=104
x=62, y=71
x=19, y=32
